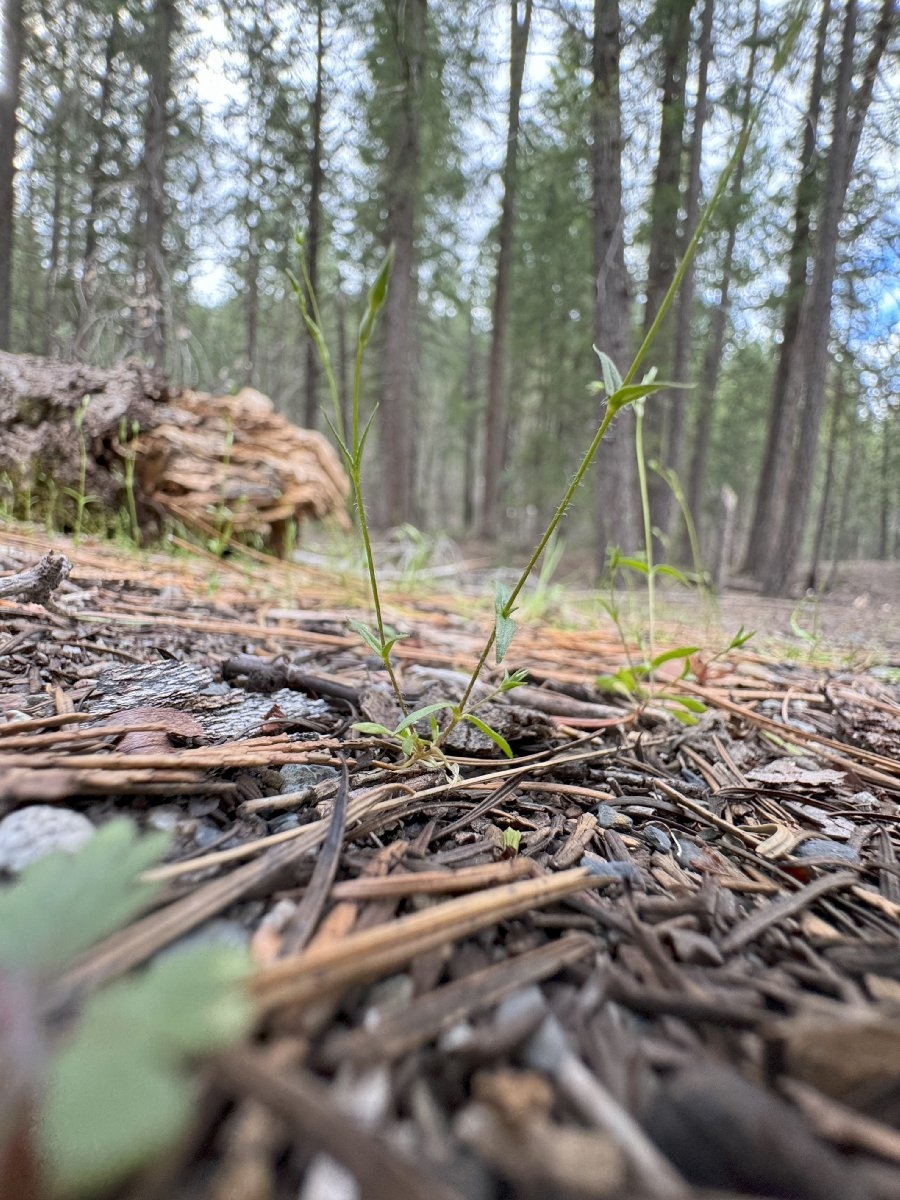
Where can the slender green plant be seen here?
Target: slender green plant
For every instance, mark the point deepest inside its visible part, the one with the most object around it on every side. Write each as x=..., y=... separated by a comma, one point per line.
x=619, y=392
x=352, y=442
x=79, y=494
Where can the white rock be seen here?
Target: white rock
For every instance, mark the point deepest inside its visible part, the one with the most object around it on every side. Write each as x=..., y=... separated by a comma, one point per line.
x=29, y=834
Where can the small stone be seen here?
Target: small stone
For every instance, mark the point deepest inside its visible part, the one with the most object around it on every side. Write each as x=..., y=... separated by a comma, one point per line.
x=295, y=777
x=825, y=848
x=658, y=838
x=610, y=818
x=164, y=818
x=219, y=934
x=32, y=833
x=602, y=867
x=287, y=821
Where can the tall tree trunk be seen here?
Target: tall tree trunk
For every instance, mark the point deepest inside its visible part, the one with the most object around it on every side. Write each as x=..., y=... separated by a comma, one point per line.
x=408, y=19
x=156, y=153
x=314, y=218
x=682, y=360
x=251, y=309
x=56, y=218
x=849, y=115
x=495, y=425
x=665, y=202
x=470, y=427
x=839, y=396
x=840, y=530
x=617, y=492
x=884, y=514
x=712, y=359
x=782, y=422
x=96, y=181
x=10, y=75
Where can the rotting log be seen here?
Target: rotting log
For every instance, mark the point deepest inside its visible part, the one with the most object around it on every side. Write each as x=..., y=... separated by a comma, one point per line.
x=222, y=466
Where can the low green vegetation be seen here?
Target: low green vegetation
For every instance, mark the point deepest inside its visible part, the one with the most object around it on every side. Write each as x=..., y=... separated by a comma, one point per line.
x=94, y=1087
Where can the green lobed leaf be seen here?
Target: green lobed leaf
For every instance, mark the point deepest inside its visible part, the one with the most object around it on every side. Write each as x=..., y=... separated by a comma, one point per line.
x=504, y=625
x=117, y=1091
x=66, y=902
x=497, y=738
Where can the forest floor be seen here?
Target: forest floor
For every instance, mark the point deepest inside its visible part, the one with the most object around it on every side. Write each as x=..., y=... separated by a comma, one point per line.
x=641, y=959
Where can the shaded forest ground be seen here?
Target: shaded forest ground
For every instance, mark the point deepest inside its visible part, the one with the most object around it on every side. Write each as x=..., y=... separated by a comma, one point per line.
x=640, y=961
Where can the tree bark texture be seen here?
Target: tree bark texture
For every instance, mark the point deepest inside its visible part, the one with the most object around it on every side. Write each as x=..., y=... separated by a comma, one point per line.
x=97, y=179
x=676, y=400
x=156, y=153
x=314, y=217
x=712, y=359
x=495, y=425
x=665, y=201
x=849, y=116
x=10, y=75
x=781, y=426
x=617, y=493
x=398, y=394
x=496, y=417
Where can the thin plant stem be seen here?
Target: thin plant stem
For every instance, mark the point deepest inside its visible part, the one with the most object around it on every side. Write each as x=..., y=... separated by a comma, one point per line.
x=648, y=531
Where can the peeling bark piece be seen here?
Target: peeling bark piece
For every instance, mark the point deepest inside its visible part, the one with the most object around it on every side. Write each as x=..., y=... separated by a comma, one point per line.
x=36, y=584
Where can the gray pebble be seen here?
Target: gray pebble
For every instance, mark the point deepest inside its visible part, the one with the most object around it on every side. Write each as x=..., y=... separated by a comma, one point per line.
x=297, y=776
x=610, y=818
x=658, y=838
x=601, y=866
x=29, y=834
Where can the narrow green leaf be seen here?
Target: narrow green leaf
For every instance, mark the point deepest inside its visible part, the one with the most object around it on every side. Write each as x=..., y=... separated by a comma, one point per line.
x=633, y=564
x=372, y=727
x=671, y=573
x=504, y=625
x=686, y=718
x=497, y=738
x=514, y=680
x=376, y=299
x=741, y=638
x=368, y=635
x=612, y=380
x=670, y=655
x=411, y=718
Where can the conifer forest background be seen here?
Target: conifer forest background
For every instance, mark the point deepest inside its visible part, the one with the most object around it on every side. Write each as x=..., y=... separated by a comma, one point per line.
x=539, y=168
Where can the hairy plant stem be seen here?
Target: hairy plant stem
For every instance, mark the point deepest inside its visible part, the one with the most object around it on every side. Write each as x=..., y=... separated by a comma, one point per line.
x=648, y=533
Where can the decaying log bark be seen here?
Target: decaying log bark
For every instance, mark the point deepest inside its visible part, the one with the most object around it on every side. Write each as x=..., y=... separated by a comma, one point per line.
x=227, y=465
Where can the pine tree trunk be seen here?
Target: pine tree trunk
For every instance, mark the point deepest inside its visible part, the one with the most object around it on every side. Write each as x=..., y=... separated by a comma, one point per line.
x=495, y=426
x=156, y=153
x=849, y=116
x=96, y=177
x=665, y=202
x=676, y=400
x=712, y=361
x=783, y=411
x=10, y=75
x=812, y=579
x=408, y=18
x=314, y=219
x=617, y=493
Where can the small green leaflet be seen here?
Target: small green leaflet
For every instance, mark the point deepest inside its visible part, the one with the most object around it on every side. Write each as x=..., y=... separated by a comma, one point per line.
x=495, y=737
x=66, y=902
x=504, y=625
x=411, y=718
x=377, y=296
x=612, y=380
x=512, y=839
x=118, y=1091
